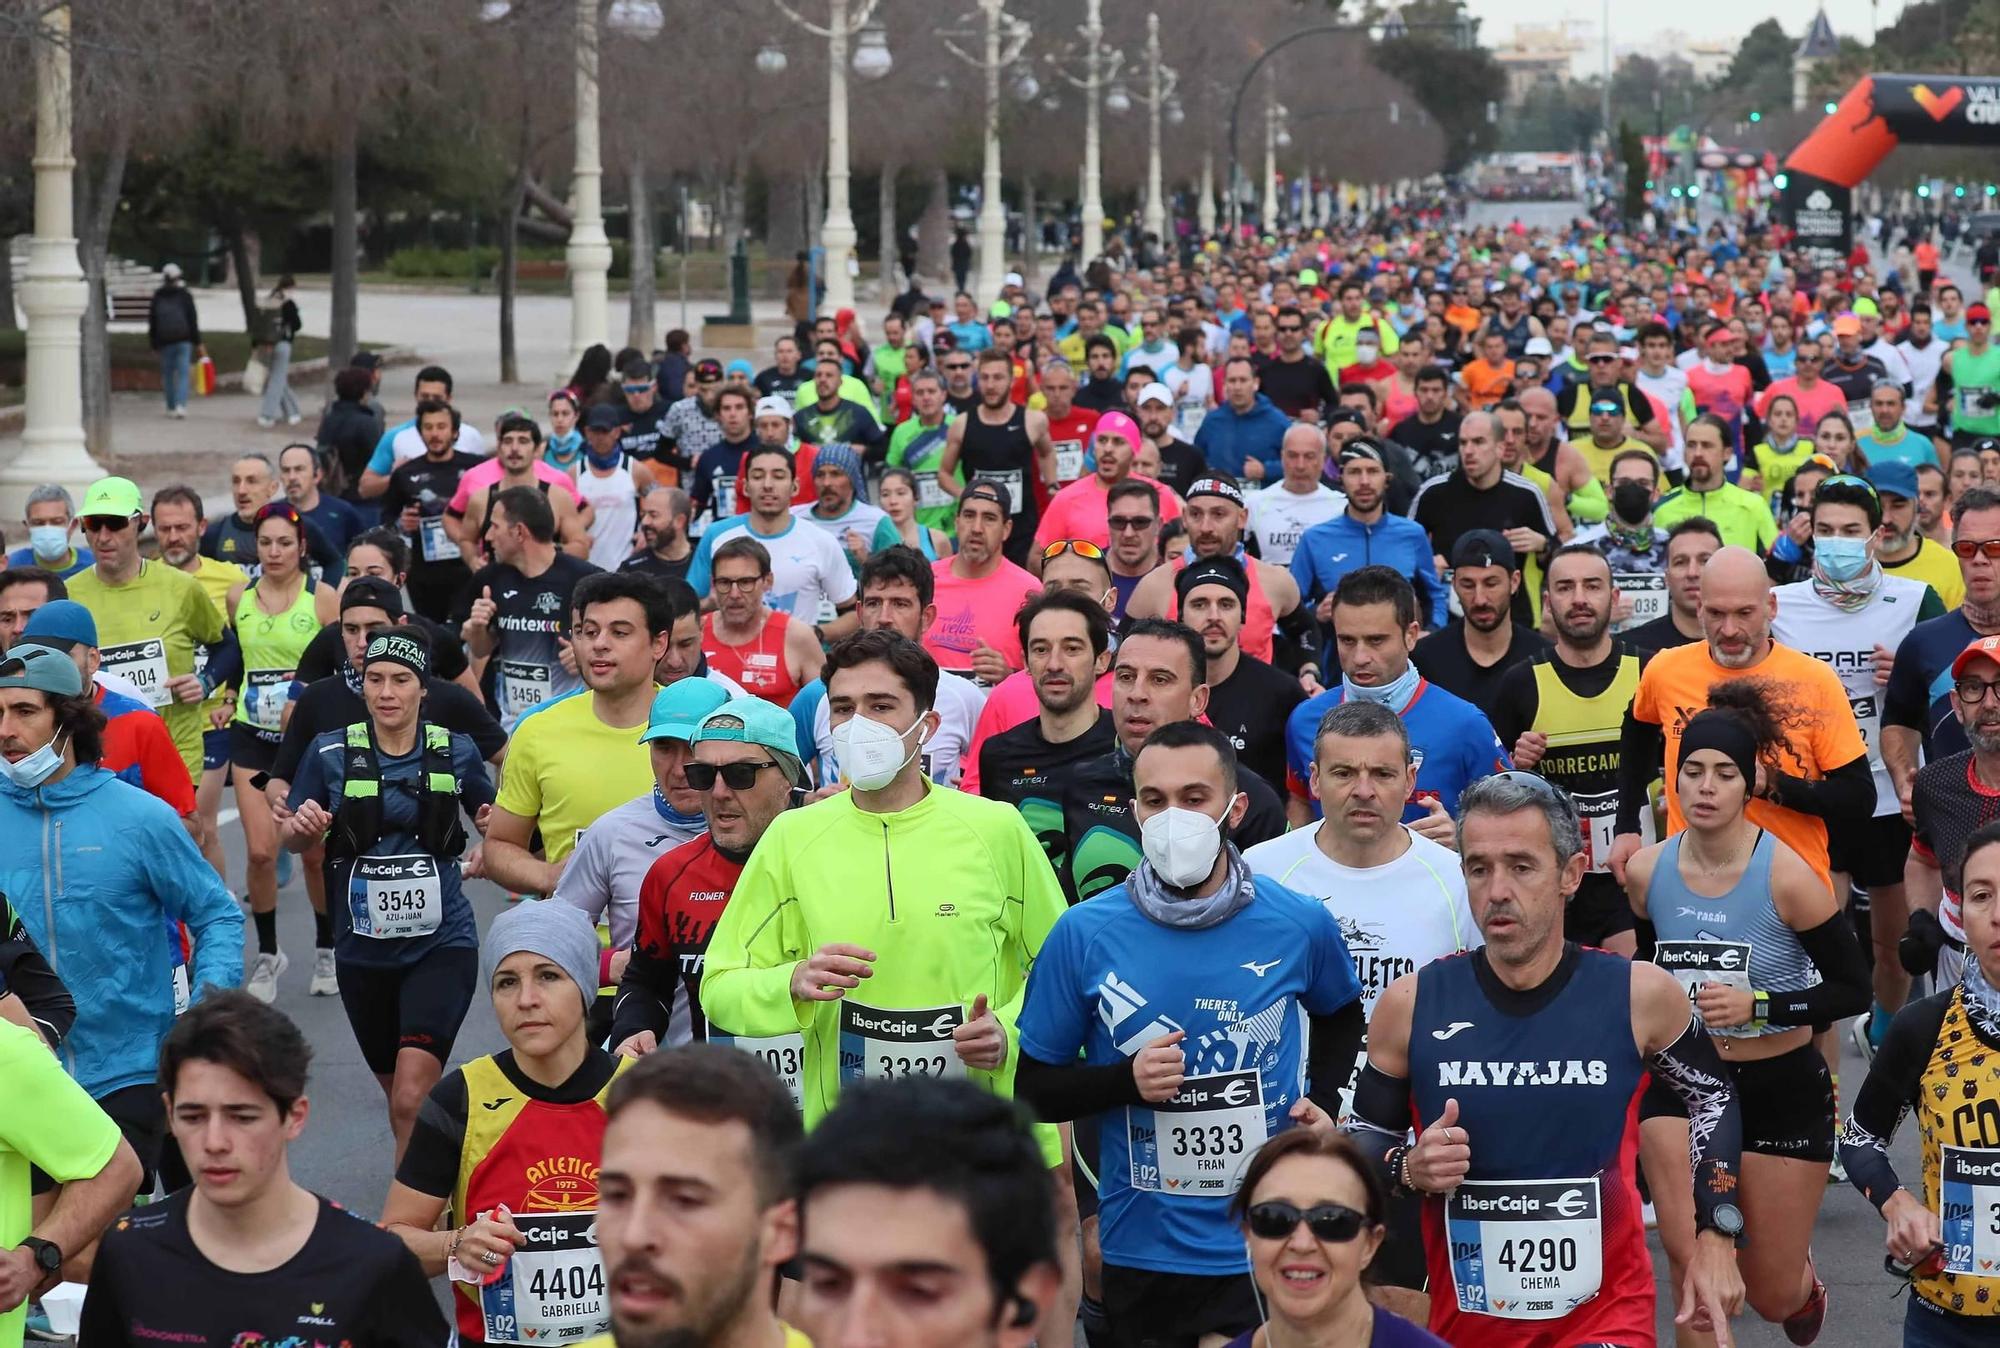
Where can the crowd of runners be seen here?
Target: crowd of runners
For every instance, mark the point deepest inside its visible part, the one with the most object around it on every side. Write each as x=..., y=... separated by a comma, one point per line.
x=1299, y=789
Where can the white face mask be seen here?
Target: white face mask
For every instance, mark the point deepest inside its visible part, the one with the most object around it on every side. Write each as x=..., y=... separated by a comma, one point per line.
x=870, y=752
x=1182, y=844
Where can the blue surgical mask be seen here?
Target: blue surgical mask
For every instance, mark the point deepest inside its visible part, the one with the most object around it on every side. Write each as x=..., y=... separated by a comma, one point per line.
x=1841, y=559
x=50, y=541
x=1393, y=695
x=35, y=769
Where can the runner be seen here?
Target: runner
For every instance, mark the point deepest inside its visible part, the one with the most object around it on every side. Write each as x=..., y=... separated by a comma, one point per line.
x=1903, y=550
x=330, y=521
x=1365, y=533
x=665, y=514
x=1248, y=700
x=1002, y=443
x=1156, y=954
x=696, y=1120
x=685, y=890
x=1970, y=379
x=1943, y=1234
x=1481, y=494
x=979, y=589
x=1689, y=546
x=1562, y=714
x=1469, y=657
x=918, y=444
x=897, y=492
x=151, y=617
x=1918, y=712
x=713, y=485
x=405, y=440
x=518, y=464
x=273, y=618
x=578, y=758
x=414, y=501
x=1743, y=517
x=50, y=517
x=766, y=650
x=1082, y=509
x=611, y=487
x=840, y=505
x=246, y=1253
x=384, y=796
x=1282, y=512
x=1765, y=953
x=518, y=1173
x=515, y=612
x=1480, y=1051
x=1216, y=517
x=810, y=577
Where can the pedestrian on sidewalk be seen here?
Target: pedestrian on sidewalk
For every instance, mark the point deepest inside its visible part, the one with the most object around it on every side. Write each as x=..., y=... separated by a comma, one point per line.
x=278, y=322
x=174, y=333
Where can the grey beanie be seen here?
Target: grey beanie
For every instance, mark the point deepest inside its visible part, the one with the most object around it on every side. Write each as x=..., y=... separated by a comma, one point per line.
x=549, y=928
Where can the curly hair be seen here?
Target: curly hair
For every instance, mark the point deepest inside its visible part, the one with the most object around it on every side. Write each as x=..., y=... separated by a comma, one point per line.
x=1768, y=712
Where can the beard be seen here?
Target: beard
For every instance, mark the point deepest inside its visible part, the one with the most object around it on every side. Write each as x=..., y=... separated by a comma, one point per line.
x=1586, y=632
x=709, y=1309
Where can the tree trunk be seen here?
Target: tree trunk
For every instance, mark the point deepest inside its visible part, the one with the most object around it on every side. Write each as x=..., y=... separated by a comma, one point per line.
x=934, y=230
x=885, y=230
x=100, y=207
x=549, y=204
x=8, y=322
x=642, y=327
x=237, y=240
x=342, y=337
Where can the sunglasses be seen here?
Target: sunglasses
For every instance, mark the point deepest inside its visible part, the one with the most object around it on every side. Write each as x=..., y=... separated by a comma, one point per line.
x=1601, y=360
x=1850, y=480
x=735, y=776
x=1978, y=322
x=1333, y=1223
x=958, y=365
x=1121, y=524
x=114, y=523
x=1989, y=548
x=641, y=388
x=1082, y=547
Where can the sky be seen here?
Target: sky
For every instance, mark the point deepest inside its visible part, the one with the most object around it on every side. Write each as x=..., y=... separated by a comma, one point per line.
x=1635, y=25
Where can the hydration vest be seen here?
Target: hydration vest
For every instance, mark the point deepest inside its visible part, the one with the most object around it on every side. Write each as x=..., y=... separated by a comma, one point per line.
x=357, y=824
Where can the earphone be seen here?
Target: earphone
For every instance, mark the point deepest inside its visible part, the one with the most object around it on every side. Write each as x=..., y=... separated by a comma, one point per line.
x=1025, y=1311
x=1256, y=1293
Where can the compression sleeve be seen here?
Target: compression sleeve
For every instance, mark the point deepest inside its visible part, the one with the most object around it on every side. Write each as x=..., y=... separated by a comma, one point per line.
x=1846, y=793
x=28, y=976
x=645, y=997
x=1588, y=504
x=1332, y=1044
x=1894, y=1078
x=1061, y=1092
x=1692, y=1068
x=1642, y=749
x=1843, y=989
x=1380, y=1117
x=225, y=661
x=1302, y=631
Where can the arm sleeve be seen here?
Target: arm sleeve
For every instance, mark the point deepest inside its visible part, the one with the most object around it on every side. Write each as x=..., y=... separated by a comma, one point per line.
x=1894, y=1078
x=1381, y=1116
x=225, y=661
x=1694, y=1071
x=1332, y=1044
x=1061, y=1092
x=646, y=993
x=1848, y=792
x=1642, y=748
x=1843, y=989
x=1588, y=504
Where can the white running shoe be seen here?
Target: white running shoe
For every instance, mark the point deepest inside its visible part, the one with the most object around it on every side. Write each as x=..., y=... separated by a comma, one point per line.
x=1857, y=1030
x=263, y=980
x=1652, y=1218
x=323, y=982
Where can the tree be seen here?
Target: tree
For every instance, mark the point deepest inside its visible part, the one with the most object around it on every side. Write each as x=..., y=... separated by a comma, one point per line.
x=1632, y=154
x=1457, y=82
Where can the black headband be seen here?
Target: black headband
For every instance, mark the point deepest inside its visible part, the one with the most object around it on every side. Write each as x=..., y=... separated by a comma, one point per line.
x=1725, y=733
x=397, y=648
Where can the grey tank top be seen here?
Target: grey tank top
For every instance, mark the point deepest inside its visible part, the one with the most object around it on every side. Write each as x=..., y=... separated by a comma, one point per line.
x=1736, y=939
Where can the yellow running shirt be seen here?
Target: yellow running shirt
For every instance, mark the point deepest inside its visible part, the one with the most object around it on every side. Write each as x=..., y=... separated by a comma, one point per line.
x=565, y=768
x=147, y=630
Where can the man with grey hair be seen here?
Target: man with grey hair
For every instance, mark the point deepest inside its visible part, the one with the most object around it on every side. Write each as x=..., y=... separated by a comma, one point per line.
x=1485, y=1050
x=51, y=519
x=253, y=484
x=1282, y=512
x=664, y=515
x=1481, y=494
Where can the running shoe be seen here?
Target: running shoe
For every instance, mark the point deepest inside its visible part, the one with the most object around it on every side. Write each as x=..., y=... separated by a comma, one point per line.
x=1652, y=1218
x=1857, y=1030
x=324, y=984
x=264, y=973
x=1836, y=1173
x=1802, y=1326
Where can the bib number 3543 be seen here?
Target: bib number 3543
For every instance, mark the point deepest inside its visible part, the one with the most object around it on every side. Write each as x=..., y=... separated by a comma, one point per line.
x=1525, y=1249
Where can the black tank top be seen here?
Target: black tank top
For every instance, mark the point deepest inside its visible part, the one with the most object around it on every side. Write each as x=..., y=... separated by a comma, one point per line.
x=1002, y=454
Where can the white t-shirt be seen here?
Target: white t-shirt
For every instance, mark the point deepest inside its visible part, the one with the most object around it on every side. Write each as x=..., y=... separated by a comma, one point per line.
x=409, y=445
x=809, y=571
x=861, y=518
x=1668, y=386
x=1923, y=364
x=959, y=702
x=1279, y=517
x=1194, y=394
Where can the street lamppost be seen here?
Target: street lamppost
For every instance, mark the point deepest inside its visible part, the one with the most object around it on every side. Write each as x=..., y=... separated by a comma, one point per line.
x=1101, y=65
x=53, y=293
x=588, y=256
x=1005, y=38
x=1159, y=100
x=871, y=62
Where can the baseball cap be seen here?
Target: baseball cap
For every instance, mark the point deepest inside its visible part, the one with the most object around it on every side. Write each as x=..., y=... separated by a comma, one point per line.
x=1893, y=478
x=679, y=707
x=28, y=664
x=1538, y=346
x=1225, y=571
x=372, y=592
x=1867, y=308
x=1000, y=309
x=111, y=496
x=986, y=489
x=1986, y=646
x=1308, y=277
x=773, y=407
x=1156, y=393
x=63, y=624
x=1012, y=278
x=1483, y=547
x=749, y=720
x=1979, y=311
x=603, y=417
x=708, y=369
x=1847, y=325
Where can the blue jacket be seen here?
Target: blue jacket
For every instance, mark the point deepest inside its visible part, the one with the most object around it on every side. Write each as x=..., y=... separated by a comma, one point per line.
x=1228, y=438
x=1330, y=550
x=99, y=872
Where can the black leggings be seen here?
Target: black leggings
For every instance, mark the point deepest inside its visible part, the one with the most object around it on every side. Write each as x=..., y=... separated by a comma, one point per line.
x=417, y=1005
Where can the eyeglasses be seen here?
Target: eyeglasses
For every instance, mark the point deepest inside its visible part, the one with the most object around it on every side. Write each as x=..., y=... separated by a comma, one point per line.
x=735, y=776
x=1601, y=360
x=112, y=523
x=1968, y=548
x=1972, y=692
x=1128, y=524
x=743, y=583
x=1334, y=1223
x=1082, y=547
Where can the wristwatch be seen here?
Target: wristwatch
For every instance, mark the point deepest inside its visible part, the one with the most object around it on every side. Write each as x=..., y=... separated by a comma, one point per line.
x=48, y=1258
x=1726, y=1218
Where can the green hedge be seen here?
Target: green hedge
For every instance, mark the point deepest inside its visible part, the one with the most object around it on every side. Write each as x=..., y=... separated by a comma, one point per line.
x=476, y=264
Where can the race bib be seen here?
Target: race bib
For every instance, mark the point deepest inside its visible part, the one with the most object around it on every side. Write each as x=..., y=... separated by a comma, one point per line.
x=390, y=898
x=930, y=496
x=1195, y=1145
x=1598, y=814
x=1693, y=963
x=1189, y=413
x=437, y=544
x=1524, y=1249
x=1648, y=596
x=725, y=497
x=181, y=990
x=265, y=692
x=1975, y=400
x=1069, y=461
x=1858, y=412
x=524, y=686
x=1010, y=478
x=784, y=1054
x=1969, y=1210
x=876, y=1044
x=144, y=663
x=1867, y=711
x=552, y=1289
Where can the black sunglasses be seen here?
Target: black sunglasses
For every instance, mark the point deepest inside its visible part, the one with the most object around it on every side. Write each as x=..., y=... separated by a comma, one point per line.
x=736, y=776
x=1331, y=1222
x=115, y=523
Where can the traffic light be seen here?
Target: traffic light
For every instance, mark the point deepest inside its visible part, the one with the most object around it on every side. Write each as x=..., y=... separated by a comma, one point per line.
x=1756, y=116
x=1780, y=181
x=1649, y=187
x=1923, y=189
x=1674, y=192
x=1694, y=189
x=1958, y=191
x=1992, y=190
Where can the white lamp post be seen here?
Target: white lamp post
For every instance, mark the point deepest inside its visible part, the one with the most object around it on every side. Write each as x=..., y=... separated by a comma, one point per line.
x=1005, y=37
x=53, y=293
x=1159, y=101
x=588, y=256
x=1100, y=65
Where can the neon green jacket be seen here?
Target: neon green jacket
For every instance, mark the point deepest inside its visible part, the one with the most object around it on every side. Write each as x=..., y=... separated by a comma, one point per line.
x=954, y=896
